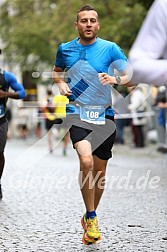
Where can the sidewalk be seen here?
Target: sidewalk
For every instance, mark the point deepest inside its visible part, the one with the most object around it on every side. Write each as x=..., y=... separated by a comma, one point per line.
x=42, y=205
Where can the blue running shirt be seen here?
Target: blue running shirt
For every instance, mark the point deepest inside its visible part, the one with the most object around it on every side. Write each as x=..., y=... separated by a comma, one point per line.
x=82, y=64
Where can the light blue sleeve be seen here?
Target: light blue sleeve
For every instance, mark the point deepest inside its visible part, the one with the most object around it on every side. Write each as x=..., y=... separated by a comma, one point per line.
x=59, y=58
x=120, y=61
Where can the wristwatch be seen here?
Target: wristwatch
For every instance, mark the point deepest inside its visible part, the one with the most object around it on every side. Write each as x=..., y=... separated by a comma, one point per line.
x=118, y=80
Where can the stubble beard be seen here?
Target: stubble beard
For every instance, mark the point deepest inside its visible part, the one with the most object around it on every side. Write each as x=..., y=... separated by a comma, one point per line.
x=87, y=38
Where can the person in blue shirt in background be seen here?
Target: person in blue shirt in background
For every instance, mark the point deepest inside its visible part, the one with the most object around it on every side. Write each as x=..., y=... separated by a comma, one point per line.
x=7, y=81
x=89, y=63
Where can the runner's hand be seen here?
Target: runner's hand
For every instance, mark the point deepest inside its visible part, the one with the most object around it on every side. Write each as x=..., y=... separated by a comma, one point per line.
x=105, y=79
x=2, y=94
x=64, y=89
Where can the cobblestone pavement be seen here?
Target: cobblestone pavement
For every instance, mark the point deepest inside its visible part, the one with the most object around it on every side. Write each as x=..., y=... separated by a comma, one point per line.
x=42, y=204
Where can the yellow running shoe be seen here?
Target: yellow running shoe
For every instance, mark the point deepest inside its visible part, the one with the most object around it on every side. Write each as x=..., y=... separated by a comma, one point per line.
x=83, y=221
x=86, y=240
x=91, y=230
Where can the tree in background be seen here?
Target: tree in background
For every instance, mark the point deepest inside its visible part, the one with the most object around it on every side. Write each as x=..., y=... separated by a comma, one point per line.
x=32, y=30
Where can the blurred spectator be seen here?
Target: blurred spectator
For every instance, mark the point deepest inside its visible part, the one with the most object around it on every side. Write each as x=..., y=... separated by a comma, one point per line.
x=148, y=55
x=54, y=110
x=38, y=128
x=137, y=107
x=48, y=109
x=23, y=121
x=121, y=108
x=60, y=102
x=161, y=118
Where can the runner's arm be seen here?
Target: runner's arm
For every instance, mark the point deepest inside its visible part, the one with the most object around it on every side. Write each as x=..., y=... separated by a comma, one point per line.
x=105, y=79
x=58, y=77
x=19, y=91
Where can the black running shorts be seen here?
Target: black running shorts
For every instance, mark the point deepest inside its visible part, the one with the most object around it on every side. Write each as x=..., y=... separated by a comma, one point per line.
x=3, y=134
x=101, y=137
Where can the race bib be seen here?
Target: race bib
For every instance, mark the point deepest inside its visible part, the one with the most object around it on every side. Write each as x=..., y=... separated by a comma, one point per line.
x=92, y=114
x=2, y=110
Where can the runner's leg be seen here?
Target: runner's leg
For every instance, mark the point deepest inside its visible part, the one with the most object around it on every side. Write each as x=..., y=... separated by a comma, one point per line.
x=86, y=173
x=99, y=176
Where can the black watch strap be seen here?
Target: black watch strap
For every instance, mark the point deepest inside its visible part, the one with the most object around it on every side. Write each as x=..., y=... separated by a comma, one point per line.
x=118, y=80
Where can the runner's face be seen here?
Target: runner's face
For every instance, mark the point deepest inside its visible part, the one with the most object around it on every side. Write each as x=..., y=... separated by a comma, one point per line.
x=87, y=25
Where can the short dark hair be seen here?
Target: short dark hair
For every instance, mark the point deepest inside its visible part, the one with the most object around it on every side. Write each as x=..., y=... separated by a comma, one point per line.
x=85, y=8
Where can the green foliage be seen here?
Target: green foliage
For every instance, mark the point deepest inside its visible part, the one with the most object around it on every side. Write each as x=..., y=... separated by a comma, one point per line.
x=120, y=22
x=32, y=30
